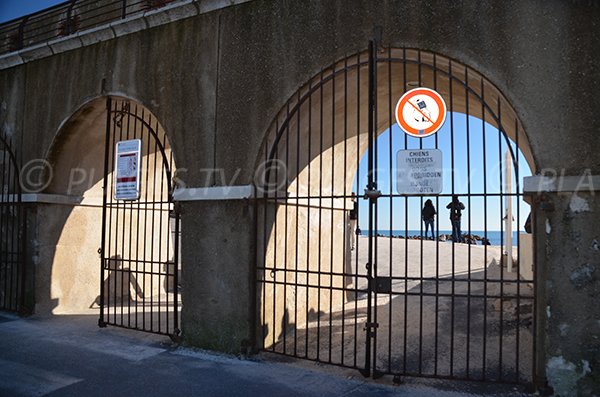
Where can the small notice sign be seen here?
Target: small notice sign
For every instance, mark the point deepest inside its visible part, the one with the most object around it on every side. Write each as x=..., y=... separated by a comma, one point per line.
x=419, y=171
x=127, y=170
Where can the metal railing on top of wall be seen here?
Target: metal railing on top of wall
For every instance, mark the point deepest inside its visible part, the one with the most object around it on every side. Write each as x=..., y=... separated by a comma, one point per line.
x=68, y=18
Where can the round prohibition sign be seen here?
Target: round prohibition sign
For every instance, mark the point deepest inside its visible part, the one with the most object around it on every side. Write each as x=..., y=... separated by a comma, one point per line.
x=421, y=112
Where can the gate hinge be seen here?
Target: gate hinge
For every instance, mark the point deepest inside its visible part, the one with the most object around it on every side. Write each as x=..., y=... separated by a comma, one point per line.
x=176, y=211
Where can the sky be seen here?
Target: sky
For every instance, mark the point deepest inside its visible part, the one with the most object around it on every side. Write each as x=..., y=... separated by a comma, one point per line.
x=11, y=9
x=468, y=165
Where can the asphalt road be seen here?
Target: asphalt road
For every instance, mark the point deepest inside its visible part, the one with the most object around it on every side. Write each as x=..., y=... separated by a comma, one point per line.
x=71, y=356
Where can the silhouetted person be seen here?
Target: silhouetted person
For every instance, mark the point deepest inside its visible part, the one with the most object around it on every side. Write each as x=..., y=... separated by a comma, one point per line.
x=353, y=220
x=455, y=208
x=428, y=215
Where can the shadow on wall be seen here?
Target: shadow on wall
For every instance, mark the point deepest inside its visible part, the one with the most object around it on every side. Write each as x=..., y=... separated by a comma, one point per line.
x=118, y=284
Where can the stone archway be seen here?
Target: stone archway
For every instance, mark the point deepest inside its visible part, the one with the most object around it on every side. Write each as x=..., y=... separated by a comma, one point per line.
x=308, y=280
x=69, y=216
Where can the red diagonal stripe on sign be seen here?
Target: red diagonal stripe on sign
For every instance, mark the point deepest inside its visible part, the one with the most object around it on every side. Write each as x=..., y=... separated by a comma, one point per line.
x=419, y=110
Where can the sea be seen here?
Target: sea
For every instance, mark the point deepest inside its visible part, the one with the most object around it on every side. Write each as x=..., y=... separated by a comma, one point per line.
x=494, y=236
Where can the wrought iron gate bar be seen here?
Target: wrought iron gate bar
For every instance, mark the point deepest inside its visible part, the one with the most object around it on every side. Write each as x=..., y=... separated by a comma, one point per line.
x=12, y=239
x=452, y=319
x=140, y=238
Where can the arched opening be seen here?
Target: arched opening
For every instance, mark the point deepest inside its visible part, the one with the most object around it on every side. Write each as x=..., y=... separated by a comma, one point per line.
x=386, y=303
x=87, y=236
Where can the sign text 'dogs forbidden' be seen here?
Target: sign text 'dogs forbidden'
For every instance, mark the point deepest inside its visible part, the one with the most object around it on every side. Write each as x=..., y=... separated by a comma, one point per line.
x=419, y=171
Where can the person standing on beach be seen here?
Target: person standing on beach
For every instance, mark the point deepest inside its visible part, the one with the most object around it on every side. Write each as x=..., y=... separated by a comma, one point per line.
x=428, y=215
x=455, y=208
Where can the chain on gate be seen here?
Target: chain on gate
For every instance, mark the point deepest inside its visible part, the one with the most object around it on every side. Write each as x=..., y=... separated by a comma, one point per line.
x=140, y=229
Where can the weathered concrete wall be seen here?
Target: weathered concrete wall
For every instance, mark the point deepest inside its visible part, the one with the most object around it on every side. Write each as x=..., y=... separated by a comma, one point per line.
x=569, y=254
x=216, y=81
x=217, y=275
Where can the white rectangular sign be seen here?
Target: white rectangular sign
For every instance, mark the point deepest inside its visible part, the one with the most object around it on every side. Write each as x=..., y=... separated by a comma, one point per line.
x=419, y=171
x=128, y=170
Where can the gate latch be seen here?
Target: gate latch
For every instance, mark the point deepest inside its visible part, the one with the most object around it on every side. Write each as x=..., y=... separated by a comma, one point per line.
x=381, y=285
x=370, y=328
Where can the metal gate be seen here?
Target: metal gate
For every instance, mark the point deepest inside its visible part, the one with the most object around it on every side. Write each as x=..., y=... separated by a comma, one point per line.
x=140, y=238
x=346, y=276
x=12, y=236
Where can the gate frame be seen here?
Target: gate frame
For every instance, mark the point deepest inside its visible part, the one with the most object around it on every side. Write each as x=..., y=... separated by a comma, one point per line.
x=107, y=181
x=371, y=193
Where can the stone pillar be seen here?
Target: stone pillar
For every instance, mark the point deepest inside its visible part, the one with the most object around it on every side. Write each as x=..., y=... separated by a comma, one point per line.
x=218, y=274
x=568, y=285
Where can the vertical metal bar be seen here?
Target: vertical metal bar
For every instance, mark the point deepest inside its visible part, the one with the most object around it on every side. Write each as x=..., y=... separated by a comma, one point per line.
x=285, y=233
x=129, y=257
x=160, y=218
x=264, y=250
x=176, y=274
x=468, y=347
x=358, y=154
x=124, y=9
x=518, y=267
x=309, y=221
x=276, y=242
x=391, y=221
x=319, y=258
x=121, y=269
x=500, y=157
x=154, y=201
x=485, y=234
x=112, y=275
x=137, y=238
x=169, y=232
x=346, y=253
x=370, y=186
x=332, y=213
x=167, y=161
x=451, y=77
x=101, y=321
x=297, y=224
x=405, y=334
x=437, y=244
x=420, y=370
x=146, y=204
